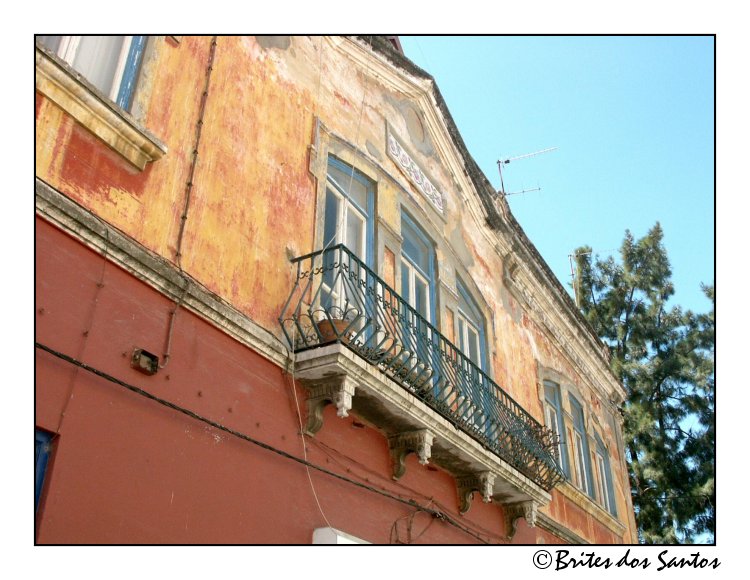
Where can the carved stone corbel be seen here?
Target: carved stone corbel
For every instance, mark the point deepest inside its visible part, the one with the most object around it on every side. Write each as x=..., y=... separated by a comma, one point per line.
x=467, y=485
x=521, y=509
x=419, y=442
x=338, y=390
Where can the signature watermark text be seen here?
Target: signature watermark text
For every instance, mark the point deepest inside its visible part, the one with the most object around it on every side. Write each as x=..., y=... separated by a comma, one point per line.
x=564, y=559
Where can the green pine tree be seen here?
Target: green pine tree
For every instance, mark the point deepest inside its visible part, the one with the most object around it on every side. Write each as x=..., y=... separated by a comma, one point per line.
x=664, y=358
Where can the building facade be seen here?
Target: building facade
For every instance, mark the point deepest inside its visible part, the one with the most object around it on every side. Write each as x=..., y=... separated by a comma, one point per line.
x=278, y=302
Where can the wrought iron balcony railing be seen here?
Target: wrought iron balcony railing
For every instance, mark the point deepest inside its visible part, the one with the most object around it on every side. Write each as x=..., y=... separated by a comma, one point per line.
x=337, y=298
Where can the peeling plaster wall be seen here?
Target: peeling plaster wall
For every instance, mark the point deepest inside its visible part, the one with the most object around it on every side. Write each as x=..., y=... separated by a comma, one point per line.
x=255, y=190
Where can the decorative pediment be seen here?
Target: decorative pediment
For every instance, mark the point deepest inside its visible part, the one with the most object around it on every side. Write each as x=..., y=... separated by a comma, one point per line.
x=413, y=171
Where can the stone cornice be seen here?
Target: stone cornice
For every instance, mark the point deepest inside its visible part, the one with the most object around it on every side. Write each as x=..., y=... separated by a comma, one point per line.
x=76, y=96
x=154, y=270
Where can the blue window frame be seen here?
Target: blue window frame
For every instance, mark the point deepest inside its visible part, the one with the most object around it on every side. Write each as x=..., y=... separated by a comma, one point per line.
x=471, y=341
x=110, y=63
x=554, y=419
x=580, y=449
x=604, y=488
x=417, y=269
x=418, y=290
x=470, y=326
x=41, y=456
x=349, y=207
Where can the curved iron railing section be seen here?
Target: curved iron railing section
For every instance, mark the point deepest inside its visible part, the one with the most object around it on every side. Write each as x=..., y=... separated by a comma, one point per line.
x=337, y=298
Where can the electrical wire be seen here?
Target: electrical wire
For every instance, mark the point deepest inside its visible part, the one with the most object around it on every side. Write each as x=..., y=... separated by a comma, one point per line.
x=336, y=235
x=302, y=431
x=137, y=390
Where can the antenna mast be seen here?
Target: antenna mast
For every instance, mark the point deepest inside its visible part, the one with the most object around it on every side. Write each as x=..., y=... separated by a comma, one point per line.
x=502, y=162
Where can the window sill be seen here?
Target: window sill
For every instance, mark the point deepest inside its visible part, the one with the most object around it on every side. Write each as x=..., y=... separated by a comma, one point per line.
x=76, y=96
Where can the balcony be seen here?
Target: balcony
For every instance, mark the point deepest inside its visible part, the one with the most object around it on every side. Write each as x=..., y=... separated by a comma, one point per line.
x=349, y=328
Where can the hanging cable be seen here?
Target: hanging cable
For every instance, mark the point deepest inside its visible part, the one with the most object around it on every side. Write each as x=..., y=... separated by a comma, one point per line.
x=302, y=431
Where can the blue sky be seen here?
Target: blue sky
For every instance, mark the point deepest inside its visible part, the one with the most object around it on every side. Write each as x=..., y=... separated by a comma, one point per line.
x=632, y=118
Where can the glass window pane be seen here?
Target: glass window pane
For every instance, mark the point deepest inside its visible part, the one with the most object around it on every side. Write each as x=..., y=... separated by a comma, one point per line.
x=580, y=462
x=405, y=282
x=355, y=229
x=331, y=218
x=600, y=484
x=329, y=238
x=415, y=248
x=97, y=58
x=421, y=304
x=348, y=181
x=473, y=346
x=550, y=393
x=468, y=307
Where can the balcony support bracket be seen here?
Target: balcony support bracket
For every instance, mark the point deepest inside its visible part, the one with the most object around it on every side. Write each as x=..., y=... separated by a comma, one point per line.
x=419, y=442
x=338, y=390
x=522, y=509
x=482, y=482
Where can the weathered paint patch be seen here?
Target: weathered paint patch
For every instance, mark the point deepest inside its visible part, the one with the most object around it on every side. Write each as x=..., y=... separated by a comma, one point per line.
x=279, y=42
x=92, y=170
x=389, y=267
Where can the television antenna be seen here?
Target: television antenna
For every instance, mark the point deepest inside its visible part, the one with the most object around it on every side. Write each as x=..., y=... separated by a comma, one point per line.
x=502, y=162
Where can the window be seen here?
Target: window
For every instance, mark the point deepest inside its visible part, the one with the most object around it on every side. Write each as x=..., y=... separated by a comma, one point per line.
x=471, y=342
x=470, y=328
x=41, y=455
x=79, y=73
x=417, y=272
x=604, y=489
x=349, y=206
x=554, y=418
x=581, y=458
x=418, y=290
x=110, y=63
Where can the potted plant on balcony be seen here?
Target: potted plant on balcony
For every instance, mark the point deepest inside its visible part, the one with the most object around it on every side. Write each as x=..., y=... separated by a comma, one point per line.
x=335, y=324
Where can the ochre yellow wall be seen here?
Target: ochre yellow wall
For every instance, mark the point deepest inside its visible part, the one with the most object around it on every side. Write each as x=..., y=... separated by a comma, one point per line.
x=254, y=196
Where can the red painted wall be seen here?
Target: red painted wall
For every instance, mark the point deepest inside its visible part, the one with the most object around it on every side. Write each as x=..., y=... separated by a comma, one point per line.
x=126, y=469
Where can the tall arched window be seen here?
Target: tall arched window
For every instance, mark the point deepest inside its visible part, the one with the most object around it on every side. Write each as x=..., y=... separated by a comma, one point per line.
x=604, y=489
x=417, y=270
x=349, y=207
x=470, y=335
x=580, y=449
x=553, y=416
